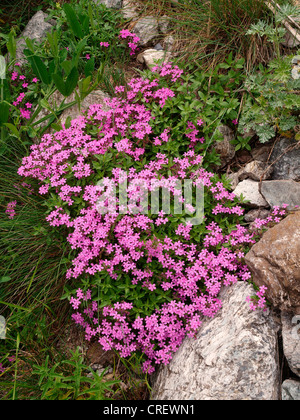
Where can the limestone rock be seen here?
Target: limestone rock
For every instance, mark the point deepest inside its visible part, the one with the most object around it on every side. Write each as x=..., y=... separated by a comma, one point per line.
x=291, y=340
x=146, y=29
x=286, y=163
x=57, y=98
x=163, y=24
x=250, y=191
x=36, y=30
x=274, y=263
x=129, y=11
x=95, y=97
x=291, y=390
x=151, y=56
x=234, y=356
x=114, y=4
x=280, y=192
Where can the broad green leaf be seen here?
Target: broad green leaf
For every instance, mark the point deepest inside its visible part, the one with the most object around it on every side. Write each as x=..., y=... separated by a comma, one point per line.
x=72, y=81
x=38, y=67
x=13, y=129
x=73, y=21
x=89, y=67
x=59, y=83
x=4, y=112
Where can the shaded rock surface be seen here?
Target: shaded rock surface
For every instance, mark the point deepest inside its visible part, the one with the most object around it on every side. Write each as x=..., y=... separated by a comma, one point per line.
x=291, y=340
x=234, y=356
x=286, y=159
x=274, y=262
x=224, y=148
x=279, y=192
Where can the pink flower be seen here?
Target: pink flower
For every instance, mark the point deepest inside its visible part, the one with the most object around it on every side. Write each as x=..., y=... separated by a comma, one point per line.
x=28, y=105
x=25, y=113
x=87, y=56
x=10, y=209
x=14, y=75
x=104, y=44
x=22, y=77
x=235, y=122
x=25, y=85
x=35, y=80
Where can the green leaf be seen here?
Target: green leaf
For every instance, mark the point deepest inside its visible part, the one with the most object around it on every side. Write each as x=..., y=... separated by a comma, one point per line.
x=11, y=44
x=89, y=67
x=72, y=81
x=73, y=21
x=12, y=128
x=5, y=279
x=38, y=67
x=4, y=112
x=59, y=83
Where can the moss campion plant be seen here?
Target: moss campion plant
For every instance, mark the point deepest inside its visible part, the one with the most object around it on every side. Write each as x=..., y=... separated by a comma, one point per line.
x=144, y=280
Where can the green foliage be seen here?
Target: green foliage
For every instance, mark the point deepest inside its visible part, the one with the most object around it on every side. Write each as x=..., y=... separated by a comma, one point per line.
x=273, y=101
x=68, y=380
x=213, y=96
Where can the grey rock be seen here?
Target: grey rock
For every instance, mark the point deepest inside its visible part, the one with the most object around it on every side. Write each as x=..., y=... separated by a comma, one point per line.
x=163, y=24
x=252, y=215
x=233, y=357
x=57, y=98
x=261, y=153
x=286, y=159
x=146, y=29
x=250, y=191
x=274, y=263
x=291, y=390
x=36, y=30
x=114, y=4
x=129, y=10
x=158, y=47
x=168, y=43
x=291, y=340
x=234, y=179
x=280, y=192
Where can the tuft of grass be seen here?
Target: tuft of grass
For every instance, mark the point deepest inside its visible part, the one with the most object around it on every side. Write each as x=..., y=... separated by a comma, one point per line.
x=210, y=30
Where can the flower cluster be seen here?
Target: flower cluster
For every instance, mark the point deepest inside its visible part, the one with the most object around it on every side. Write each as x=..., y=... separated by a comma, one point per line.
x=259, y=300
x=133, y=40
x=179, y=268
x=10, y=209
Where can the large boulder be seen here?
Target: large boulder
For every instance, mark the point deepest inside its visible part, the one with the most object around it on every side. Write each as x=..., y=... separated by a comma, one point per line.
x=234, y=356
x=36, y=30
x=274, y=262
x=55, y=100
x=147, y=29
